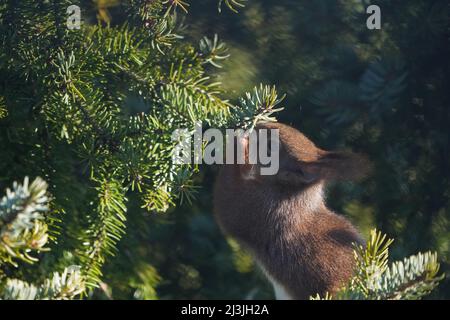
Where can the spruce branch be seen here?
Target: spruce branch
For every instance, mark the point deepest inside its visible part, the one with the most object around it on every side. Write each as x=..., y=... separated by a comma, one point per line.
x=213, y=51
x=412, y=278
x=174, y=4
x=3, y=110
x=164, y=33
x=22, y=229
x=61, y=286
x=106, y=227
x=257, y=106
x=233, y=5
x=22, y=205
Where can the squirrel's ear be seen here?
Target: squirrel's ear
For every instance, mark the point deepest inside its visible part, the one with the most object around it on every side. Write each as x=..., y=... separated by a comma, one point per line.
x=342, y=166
x=241, y=151
x=329, y=166
x=300, y=173
x=246, y=169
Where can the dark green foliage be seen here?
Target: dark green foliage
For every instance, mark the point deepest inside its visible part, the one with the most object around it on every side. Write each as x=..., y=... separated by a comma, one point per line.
x=92, y=112
x=24, y=224
x=383, y=93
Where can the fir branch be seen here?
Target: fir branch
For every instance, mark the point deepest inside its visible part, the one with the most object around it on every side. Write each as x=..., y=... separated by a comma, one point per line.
x=412, y=278
x=213, y=51
x=233, y=5
x=104, y=231
x=22, y=231
x=64, y=286
x=3, y=109
x=21, y=227
x=256, y=106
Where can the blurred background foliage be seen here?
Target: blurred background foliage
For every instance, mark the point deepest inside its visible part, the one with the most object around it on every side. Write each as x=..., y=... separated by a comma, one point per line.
x=384, y=93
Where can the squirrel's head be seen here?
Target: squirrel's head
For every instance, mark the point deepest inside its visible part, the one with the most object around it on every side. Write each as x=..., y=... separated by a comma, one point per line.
x=300, y=161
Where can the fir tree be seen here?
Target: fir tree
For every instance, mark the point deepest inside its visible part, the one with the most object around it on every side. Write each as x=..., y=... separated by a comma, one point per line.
x=92, y=111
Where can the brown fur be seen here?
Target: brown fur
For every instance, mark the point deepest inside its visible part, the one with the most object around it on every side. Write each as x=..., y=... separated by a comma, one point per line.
x=282, y=219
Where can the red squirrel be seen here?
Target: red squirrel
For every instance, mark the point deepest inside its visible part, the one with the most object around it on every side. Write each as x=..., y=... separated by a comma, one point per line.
x=282, y=220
